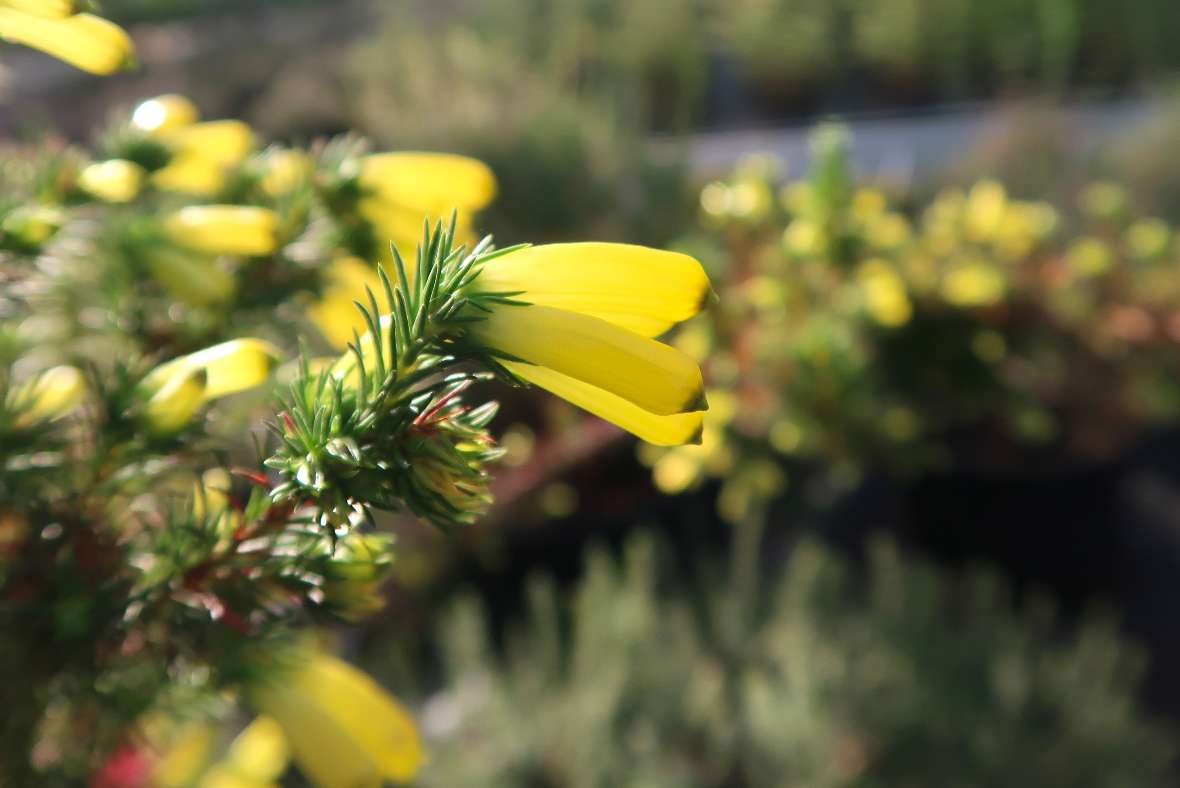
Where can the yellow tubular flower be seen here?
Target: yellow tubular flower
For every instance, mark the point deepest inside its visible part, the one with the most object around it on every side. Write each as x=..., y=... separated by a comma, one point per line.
x=219, y=142
x=189, y=278
x=116, y=180
x=654, y=376
x=176, y=402
x=190, y=174
x=224, y=229
x=54, y=393
x=586, y=333
x=639, y=289
x=230, y=367
x=85, y=41
x=163, y=114
x=431, y=183
x=343, y=729
x=55, y=9
x=671, y=430
x=335, y=314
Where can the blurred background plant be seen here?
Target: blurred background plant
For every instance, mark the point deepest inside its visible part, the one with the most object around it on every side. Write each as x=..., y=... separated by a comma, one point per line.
x=645, y=676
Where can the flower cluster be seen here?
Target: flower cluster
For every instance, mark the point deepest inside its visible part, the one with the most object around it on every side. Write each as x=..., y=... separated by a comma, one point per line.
x=168, y=534
x=859, y=331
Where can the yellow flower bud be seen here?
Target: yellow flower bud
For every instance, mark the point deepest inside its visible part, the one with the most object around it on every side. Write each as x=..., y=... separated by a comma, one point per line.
x=984, y=211
x=50, y=395
x=116, y=180
x=884, y=293
x=232, y=366
x=284, y=170
x=163, y=114
x=54, y=9
x=219, y=142
x=175, y=403
x=32, y=225
x=190, y=174
x=1148, y=238
x=85, y=41
x=973, y=284
x=193, y=280
x=342, y=727
x=224, y=229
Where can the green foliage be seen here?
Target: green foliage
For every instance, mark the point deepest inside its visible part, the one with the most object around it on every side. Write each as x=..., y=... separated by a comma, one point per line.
x=906, y=676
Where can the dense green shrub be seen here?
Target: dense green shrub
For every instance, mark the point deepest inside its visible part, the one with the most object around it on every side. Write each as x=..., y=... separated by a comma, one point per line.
x=910, y=677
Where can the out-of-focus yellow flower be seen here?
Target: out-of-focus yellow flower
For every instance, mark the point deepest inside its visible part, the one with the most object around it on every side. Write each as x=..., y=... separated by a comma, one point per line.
x=50, y=395
x=868, y=204
x=715, y=200
x=335, y=313
x=750, y=199
x=190, y=175
x=884, y=292
x=1103, y=200
x=402, y=189
x=973, y=284
x=887, y=231
x=229, y=367
x=984, y=211
x=284, y=169
x=172, y=406
x=202, y=153
x=224, y=229
x=1089, y=257
x=185, y=757
x=54, y=9
x=803, y=238
x=163, y=114
x=255, y=759
x=342, y=728
x=32, y=225
x=1148, y=239
x=681, y=467
x=586, y=334
x=1023, y=227
x=224, y=142
x=193, y=279
x=85, y=41
x=114, y=180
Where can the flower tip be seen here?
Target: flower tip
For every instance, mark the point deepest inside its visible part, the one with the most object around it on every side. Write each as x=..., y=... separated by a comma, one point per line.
x=699, y=402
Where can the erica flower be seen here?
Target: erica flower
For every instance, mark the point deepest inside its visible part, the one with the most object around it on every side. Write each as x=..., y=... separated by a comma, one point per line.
x=176, y=389
x=342, y=728
x=116, y=180
x=399, y=190
x=51, y=394
x=587, y=332
x=335, y=313
x=162, y=114
x=230, y=367
x=201, y=152
x=85, y=41
x=53, y=9
x=224, y=229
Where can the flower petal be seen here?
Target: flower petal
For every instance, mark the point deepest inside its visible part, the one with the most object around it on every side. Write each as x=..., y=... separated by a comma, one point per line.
x=85, y=41
x=218, y=142
x=344, y=729
x=674, y=430
x=431, y=183
x=225, y=229
x=231, y=366
x=640, y=289
x=655, y=377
